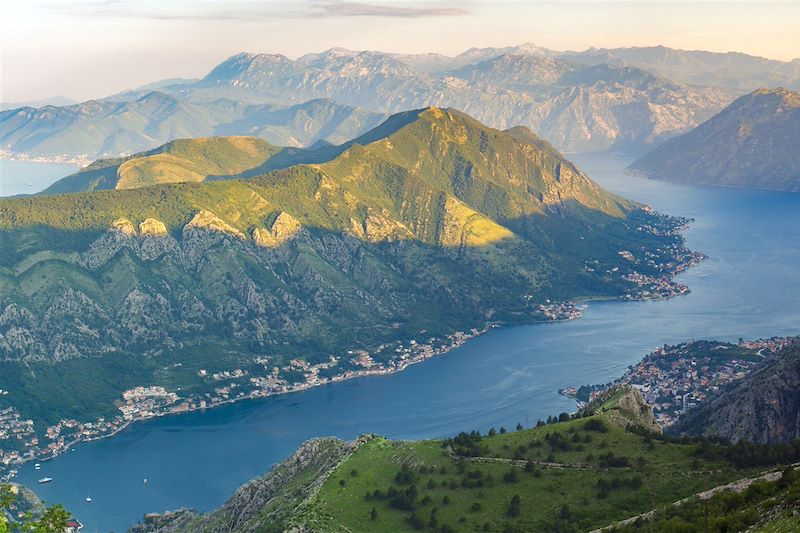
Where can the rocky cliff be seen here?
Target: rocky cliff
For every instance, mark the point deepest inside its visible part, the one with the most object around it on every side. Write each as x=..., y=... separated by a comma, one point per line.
x=626, y=407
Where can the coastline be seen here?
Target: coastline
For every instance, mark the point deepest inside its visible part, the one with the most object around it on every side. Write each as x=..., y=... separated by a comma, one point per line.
x=364, y=374
x=634, y=173
x=552, y=312
x=80, y=161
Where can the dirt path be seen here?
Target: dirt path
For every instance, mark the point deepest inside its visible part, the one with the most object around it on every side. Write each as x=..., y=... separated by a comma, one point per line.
x=736, y=486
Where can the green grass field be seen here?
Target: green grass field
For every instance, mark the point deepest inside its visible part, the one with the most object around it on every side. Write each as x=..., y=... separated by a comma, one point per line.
x=579, y=490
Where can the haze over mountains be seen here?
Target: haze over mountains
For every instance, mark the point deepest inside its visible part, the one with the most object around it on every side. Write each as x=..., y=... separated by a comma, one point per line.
x=54, y=101
x=619, y=99
x=754, y=142
x=737, y=72
x=114, y=127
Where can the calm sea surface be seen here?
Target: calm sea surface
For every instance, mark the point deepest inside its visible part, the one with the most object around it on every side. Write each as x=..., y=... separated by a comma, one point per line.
x=25, y=177
x=749, y=287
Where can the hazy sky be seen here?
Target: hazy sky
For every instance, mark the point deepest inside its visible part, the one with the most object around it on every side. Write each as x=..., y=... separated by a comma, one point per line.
x=93, y=48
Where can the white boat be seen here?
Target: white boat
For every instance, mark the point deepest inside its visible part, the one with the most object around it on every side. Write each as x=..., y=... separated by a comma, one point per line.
x=88, y=499
x=145, y=480
x=46, y=480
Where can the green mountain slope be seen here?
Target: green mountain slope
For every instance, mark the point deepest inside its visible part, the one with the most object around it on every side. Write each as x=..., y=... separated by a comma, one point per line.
x=428, y=225
x=182, y=160
x=584, y=472
x=751, y=143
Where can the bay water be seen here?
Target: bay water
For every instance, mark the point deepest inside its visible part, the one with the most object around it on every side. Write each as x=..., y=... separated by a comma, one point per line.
x=748, y=287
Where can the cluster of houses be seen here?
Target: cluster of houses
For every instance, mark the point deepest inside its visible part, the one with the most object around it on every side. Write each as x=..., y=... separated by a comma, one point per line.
x=230, y=385
x=17, y=430
x=673, y=379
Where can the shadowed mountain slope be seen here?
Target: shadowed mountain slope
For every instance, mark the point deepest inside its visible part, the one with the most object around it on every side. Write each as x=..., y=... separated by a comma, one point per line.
x=754, y=142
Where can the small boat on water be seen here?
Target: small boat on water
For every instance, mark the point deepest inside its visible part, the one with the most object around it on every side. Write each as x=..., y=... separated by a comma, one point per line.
x=145, y=480
x=37, y=466
x=45, y=480
x=88, y=499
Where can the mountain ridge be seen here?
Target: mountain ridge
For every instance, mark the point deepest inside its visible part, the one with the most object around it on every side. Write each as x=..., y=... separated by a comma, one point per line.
x=751, y=143
x=98, y=128
x=591, y=109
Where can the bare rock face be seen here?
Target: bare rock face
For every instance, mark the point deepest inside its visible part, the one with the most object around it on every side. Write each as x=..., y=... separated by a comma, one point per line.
x=18, y=339
x=151, y=242
x=206, y=220
x=284, y=229
x=625, y=406
x=123, y=227
x=379, y=226
x=153, y=227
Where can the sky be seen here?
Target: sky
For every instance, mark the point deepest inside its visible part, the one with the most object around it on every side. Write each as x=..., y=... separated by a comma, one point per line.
x=93, y=48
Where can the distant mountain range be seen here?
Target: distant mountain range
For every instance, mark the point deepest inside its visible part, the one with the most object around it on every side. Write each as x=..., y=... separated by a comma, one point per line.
x=754, y=142
x=54, y=100
x=616, y=99
x=599, y=99
x=100, y=128
x=576, y=107
x=734, y=71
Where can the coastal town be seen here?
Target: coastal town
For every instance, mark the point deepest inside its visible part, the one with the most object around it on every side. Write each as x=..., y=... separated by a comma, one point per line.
x=674, y=379
x=67, y=159
x=19, y=442
x=266, y=375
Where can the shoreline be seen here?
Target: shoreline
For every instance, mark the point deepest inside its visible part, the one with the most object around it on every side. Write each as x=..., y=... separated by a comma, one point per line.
x=367, y=374
x=78, y=161
x=487, y=327
x=554, y=312
x=649, y=176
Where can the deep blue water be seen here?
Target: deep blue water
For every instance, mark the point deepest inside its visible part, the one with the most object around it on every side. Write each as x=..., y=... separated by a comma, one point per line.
x=25, y=177
x=749, y=287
